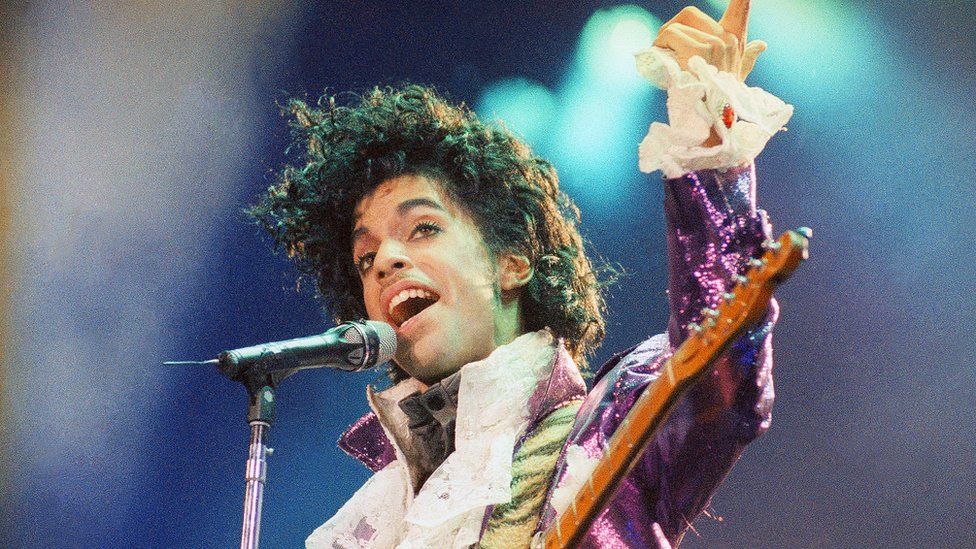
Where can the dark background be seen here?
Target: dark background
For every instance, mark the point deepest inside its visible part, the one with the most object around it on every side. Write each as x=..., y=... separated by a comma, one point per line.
x=147, y=129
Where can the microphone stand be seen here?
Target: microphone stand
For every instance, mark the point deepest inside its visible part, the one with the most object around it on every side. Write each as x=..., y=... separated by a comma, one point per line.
x=260, y=416
x=372, y=342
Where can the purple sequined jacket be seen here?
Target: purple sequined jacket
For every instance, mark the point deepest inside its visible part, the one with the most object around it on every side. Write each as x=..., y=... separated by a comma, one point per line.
x=713, y=228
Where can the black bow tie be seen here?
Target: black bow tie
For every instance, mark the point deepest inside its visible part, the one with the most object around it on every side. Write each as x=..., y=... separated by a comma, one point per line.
x=432, y=415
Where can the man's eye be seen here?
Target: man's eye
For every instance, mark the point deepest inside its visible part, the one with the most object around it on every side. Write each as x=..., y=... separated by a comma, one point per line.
x=425, y=228
x=365, y=261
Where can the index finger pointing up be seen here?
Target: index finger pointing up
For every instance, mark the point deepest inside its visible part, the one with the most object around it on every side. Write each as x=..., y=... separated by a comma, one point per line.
x=736, y=19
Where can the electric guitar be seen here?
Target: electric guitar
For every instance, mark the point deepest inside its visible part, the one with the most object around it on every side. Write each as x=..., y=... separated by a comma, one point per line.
x=741, y=308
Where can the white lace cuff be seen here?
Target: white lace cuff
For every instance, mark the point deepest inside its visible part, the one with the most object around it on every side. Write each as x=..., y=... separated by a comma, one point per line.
x=695, y=102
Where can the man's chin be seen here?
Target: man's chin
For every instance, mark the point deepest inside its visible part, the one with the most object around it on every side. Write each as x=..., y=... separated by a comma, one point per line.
x=428, y=376
x=428, y=369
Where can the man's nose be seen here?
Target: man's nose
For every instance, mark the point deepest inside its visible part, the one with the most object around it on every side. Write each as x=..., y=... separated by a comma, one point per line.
x=390, y=258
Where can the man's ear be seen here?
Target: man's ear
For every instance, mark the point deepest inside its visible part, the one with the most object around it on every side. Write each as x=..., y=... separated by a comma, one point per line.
x=514, y=271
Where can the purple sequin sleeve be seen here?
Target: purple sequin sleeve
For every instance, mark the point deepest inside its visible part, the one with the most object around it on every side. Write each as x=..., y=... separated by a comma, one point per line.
x=713, y=229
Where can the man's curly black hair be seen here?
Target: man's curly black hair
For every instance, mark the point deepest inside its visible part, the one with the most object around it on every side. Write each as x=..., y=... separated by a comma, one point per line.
x=512, y=195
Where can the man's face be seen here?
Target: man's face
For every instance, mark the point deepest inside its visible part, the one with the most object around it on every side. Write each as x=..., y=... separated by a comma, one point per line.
x=426, y=271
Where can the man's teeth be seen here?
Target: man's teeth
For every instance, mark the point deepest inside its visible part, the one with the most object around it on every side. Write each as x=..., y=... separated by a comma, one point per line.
x=407, y=294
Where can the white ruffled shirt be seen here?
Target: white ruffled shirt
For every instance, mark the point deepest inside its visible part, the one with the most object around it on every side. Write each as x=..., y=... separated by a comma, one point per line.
x=448, y=511
x=696, y=99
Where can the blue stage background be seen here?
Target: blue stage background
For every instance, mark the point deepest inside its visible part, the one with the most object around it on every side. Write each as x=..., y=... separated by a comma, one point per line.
x=146, y=131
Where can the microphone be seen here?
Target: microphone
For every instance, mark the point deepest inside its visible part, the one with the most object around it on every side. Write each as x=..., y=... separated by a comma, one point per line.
x=350, y=346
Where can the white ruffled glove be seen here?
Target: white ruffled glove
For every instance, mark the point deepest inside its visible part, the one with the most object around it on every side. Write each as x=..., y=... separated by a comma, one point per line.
x=695, y=103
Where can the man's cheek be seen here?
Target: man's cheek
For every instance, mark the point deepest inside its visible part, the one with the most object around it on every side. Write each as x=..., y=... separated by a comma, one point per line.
x=372, y=310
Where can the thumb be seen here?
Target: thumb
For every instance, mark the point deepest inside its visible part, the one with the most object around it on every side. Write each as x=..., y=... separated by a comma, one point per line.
x=749, y=56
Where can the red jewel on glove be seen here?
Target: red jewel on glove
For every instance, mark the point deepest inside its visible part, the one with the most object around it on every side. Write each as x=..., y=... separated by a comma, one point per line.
x=728, y=115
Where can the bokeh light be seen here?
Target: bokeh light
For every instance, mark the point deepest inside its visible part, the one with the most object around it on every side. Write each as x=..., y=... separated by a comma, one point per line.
x=594, y=119
x=525, y=107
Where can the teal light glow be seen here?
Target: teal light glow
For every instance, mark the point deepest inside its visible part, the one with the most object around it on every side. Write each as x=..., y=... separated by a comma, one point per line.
x=525, y=107
x=591, y=125
x=605, y=54
x=835, y=38
x=604, y=106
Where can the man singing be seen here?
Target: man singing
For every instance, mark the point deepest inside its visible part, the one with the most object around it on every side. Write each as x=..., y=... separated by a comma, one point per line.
x=411, y=211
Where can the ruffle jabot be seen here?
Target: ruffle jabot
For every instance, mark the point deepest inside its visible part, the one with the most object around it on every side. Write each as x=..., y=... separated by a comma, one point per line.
x=448, y=510
x=695, y=102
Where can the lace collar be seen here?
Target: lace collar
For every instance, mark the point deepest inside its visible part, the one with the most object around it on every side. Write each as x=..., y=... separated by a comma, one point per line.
x=495, y=408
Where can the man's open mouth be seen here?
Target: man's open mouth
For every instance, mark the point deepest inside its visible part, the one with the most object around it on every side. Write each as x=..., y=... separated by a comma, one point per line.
x=409, y=303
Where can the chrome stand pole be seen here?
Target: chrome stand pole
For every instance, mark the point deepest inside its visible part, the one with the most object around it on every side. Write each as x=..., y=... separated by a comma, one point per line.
x=259, y=415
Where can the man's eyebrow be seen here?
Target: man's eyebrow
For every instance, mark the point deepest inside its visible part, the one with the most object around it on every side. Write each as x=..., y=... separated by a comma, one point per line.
x=408, y=205
x=357, y=234
x=402, y=209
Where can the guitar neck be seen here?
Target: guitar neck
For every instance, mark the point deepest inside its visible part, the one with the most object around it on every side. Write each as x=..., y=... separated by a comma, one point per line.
x=741, y=308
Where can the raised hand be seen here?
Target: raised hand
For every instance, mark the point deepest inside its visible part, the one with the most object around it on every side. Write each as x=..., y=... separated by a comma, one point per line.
x=721, y=43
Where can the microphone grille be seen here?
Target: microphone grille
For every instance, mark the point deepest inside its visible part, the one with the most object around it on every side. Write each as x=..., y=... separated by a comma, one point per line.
x=388, y=340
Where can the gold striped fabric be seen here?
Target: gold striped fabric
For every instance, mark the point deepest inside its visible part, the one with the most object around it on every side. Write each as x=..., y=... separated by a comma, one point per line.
x=512, y=524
